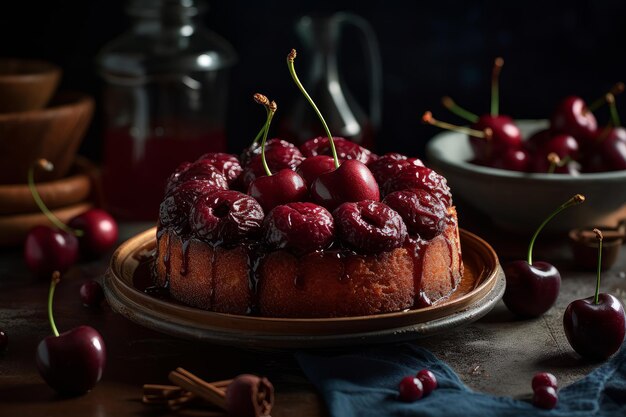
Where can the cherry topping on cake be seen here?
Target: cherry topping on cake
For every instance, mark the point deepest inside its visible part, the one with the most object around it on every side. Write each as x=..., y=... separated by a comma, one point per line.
x=314, y=166
x=175, y=207
x=279, y=155
x=225, y=216
x=369, y=226
x=420, y=177
x=350, y=181
x=345, y=149
x=226, y=163
x=303, y=227
x=283, y=187
x=423, y=213
x=390, y=164
x=202, y=169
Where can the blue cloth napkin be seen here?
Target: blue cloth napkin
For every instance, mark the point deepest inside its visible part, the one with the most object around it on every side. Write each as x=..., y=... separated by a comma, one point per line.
x=365, y=384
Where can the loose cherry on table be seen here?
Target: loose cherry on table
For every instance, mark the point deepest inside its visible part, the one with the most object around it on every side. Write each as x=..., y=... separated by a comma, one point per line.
x=283, y=187
x=595, y=326
x=532, y=287
x=349, y=181
x=410, y=389
x=99, y=231
x=72, y=362
x=48, y=249
x=545, y=397
x=428, y=380
x=544, y=379
x=91, y=293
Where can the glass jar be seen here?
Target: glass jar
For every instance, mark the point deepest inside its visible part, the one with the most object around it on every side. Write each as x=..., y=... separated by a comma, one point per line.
x=164, y=102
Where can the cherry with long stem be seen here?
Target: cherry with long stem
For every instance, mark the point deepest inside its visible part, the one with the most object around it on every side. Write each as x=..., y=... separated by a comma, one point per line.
x=290, y=64
x=71, y=362
x=351, y=180
x=271, y=108
x=595, y=326
x=47, y=166
x=463, y=113
x=533, y=287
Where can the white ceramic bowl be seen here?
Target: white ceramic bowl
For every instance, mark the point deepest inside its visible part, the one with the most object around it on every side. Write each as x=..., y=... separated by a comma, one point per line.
x=519, y=201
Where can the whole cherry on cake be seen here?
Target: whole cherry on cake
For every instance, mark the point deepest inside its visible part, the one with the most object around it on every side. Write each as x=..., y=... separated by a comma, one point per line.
x=532, y=287
x=595, y=326
x=70, y=362
x=283, y=187
x=349, y=181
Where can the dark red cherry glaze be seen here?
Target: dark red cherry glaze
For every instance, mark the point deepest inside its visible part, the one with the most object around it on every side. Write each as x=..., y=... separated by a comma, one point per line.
x=512, y=159
x=420, y=177
x=389, y=165
x=302, y=227
x=285, y=186
x=410, y=389
x=225, y=216
x=200, y=170
x=545, y=397
x=531, y=289
x=91, y=293
x=279, y=155
x=504, y=134
x=369, y=226
x=73, y=362
x=428, y=380
x=544, y=379
x=565, y=146
x=174, y=209
x=314, y=166
x=99, y=231
x=48, y=249
x=225, y=163
x=572, y=117
x=352, y=181
x=345, y=149
x=423, y=213
x=595, y=331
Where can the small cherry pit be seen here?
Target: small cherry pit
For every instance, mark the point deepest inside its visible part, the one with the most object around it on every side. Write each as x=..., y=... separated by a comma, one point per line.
x=573, y=143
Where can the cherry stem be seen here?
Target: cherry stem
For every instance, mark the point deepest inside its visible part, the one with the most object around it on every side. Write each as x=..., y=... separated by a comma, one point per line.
x=556, y=161
x=428, y=118
x=577, y=199
x=451, y=105
x=292, y=70
x=258, y=135
x=271, y=108
x=610, y=98
x=600, y=238
x=618, y=88
x=495, y=90
x=56, y=278
x=47, y=166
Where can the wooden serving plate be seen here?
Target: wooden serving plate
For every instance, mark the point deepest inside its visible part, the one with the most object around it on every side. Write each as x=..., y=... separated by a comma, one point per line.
x=481, y=287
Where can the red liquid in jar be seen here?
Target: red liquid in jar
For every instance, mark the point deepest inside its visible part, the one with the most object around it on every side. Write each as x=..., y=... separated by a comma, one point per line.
x=135, y=171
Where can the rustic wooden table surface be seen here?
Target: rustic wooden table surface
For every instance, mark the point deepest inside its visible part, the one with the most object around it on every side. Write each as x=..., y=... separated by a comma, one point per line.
x=498, y=354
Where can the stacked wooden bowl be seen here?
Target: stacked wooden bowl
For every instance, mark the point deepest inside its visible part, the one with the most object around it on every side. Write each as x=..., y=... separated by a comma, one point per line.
x=35, y=123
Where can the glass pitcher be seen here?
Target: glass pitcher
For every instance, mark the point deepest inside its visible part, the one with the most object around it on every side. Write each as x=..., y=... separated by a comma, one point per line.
x=164, y=101
x=321, y=37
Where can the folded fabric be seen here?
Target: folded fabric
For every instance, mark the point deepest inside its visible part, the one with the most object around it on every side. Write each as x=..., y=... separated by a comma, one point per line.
x=365, y=384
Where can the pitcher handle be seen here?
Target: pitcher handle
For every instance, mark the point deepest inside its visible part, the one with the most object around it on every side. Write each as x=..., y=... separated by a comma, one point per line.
x=370, y=47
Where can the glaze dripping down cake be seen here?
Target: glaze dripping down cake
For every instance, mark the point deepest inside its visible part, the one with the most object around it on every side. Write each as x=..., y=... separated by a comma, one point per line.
x=224, y=246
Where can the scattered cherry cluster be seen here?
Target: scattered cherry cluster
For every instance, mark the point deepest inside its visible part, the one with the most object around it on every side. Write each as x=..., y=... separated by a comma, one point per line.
x=412, y=388
x=572, y=144
x=544, y=386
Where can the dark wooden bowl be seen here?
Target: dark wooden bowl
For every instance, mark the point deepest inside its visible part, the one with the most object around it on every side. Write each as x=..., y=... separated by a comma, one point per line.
x=26, y=84
x=53, y=133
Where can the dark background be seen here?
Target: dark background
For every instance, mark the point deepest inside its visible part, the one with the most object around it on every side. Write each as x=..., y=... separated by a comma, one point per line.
x=429, y=49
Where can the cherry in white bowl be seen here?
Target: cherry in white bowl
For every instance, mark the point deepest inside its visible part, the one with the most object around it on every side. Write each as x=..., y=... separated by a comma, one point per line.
x=518, y=201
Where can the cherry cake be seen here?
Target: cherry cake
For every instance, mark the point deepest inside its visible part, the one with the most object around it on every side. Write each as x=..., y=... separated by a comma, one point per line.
x=229, y=243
